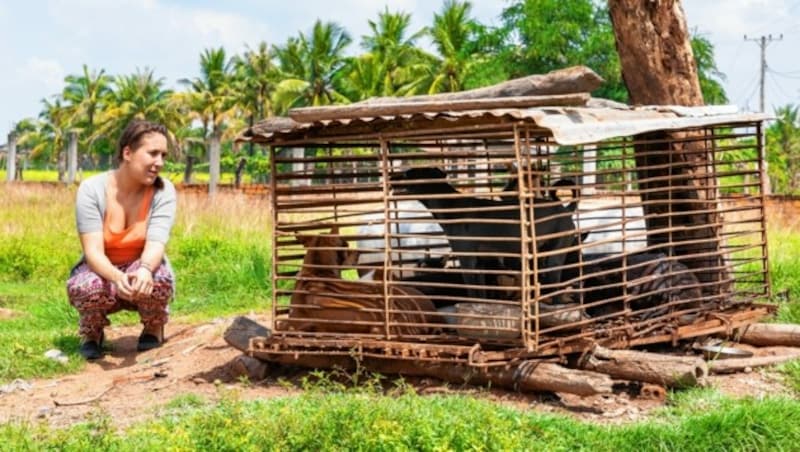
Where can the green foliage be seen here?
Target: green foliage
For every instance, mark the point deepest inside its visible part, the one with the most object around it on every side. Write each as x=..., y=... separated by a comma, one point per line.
x=707, y=71
x=783, y=150
x=544, y=35
x=311, y=67
x=231, y=92
x=791, y=372
x=701, y=421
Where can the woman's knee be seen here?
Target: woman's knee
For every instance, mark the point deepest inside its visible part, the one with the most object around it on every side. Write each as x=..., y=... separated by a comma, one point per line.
x=86, y=284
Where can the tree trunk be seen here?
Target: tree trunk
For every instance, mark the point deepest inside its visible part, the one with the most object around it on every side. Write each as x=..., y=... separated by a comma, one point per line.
x=72, y=157
x=213, y=162
x=61, y=165
x=767, y=334
x=11, y=157
x=187, y=172
x=729, y=366
x=659, y=68
x=240, y=172
x=666, y=370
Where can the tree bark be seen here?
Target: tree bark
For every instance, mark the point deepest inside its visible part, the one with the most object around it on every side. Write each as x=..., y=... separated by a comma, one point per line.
x=769, y=334
x=728, y=366
x=666, y=370
x=659, y=68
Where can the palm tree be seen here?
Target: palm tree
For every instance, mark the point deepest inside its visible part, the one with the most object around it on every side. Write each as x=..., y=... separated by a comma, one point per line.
x=783, y=149
x=47, y=140
x=395, y=54
x=140, y=95
x=210, y=101
x=254, y=83
x=452, y=36
x=366, y=77
x=85, y=97
x=312, y=68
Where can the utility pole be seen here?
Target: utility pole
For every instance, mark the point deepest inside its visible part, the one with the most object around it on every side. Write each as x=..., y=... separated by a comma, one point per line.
x=762, y=42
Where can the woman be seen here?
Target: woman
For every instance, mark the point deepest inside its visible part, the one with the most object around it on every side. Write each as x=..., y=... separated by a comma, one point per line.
x=124, y=218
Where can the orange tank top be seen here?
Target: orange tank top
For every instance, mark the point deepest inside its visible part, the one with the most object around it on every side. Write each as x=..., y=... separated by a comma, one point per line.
x=127, y=245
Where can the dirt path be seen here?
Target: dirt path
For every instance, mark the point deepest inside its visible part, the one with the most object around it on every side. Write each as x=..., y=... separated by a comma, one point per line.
x=131, y=386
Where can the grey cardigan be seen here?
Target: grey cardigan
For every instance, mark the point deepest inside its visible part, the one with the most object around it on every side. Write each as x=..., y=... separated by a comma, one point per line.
x=90, y=208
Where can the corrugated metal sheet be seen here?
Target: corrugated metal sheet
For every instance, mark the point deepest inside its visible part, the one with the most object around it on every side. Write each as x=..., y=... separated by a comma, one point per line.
x=569, y=125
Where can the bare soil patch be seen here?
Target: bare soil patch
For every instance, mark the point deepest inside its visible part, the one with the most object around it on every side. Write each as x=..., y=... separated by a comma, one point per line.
x=132, y=387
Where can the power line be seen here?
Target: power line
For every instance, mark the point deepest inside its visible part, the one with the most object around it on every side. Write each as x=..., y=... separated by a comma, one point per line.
x=790, y=74
x=780, y=88
x=763, y=41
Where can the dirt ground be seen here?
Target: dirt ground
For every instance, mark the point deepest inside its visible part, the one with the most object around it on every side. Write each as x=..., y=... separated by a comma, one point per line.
x=131, y=386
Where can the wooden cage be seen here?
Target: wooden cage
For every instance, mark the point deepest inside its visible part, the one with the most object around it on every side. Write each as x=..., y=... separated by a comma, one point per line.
x=486, y=236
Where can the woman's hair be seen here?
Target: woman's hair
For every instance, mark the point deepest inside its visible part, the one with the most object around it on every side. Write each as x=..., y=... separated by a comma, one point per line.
x=134, y=132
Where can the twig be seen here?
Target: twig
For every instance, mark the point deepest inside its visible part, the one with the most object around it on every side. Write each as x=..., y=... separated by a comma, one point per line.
x=85, y=401
x=164, y=386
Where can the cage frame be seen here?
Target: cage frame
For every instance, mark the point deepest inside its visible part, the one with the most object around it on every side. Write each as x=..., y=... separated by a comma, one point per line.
x=610, y=122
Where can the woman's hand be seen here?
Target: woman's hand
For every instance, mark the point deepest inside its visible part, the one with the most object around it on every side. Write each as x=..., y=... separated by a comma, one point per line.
x=124, y=286
x=141, y=283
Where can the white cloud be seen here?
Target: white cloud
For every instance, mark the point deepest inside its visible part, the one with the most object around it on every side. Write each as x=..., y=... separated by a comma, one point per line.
x=45, y=71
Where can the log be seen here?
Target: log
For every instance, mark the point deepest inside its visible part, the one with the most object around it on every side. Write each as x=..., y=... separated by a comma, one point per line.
x=770, y=334
x=733, y=365
x=666, y=370
x=575, y=79
x=312, y=114
x=238, y=334
x=527, y=376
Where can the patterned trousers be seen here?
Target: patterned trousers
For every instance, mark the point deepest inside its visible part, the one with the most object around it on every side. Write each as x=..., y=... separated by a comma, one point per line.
x=95, y=298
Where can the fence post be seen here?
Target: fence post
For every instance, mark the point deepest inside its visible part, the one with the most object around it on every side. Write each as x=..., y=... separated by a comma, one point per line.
x=72, y=157
x=11, y=158
x=213, y=163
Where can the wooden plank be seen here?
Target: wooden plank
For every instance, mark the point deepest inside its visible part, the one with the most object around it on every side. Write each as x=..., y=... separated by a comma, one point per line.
x=574, y=79
x=313, y=114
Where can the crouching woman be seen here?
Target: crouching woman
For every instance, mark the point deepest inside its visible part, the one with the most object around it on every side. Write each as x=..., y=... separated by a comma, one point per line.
x=124, y=218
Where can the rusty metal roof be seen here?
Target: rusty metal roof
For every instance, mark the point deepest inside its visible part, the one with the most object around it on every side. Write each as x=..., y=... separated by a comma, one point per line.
x=598, y=120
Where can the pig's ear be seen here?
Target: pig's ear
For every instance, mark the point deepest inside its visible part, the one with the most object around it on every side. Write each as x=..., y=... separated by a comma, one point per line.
x=350, y=257
x=304, y=239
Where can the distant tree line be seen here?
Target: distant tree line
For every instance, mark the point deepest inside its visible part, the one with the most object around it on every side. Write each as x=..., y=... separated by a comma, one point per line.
x=314, y=68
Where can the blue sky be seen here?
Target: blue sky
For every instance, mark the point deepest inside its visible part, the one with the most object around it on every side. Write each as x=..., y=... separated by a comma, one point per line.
x=41, y=41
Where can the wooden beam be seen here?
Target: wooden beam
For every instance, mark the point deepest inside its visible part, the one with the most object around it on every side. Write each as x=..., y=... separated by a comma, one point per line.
x=766, y=334
x=574, y=79
x=667, y=370
x=312, y=114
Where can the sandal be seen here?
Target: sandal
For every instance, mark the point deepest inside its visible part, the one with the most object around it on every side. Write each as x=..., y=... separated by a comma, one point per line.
x=149, y=341
x=92, y=349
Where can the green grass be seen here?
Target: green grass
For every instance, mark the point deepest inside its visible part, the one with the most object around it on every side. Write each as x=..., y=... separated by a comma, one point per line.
x=220, y=250
x=366, y=421
x=784, y=249
x=38, y=175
